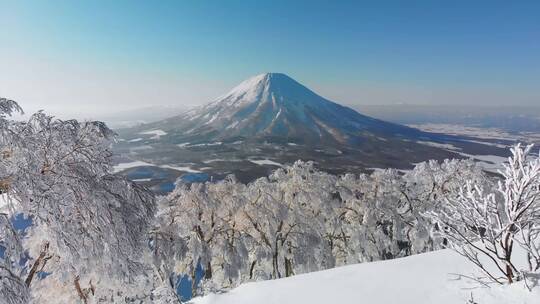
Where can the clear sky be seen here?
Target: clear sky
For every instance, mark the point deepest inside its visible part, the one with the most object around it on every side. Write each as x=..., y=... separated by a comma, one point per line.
x=98, y=56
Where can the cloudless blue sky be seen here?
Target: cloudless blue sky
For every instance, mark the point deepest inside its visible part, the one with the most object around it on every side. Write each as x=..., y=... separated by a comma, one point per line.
x=96, y=55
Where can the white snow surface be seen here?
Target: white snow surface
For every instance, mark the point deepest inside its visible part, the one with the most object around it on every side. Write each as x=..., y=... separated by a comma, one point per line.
x=438, y=145
x=142, y=180
x=491, y=163
x=3, y=201
x=428, y=278
x=262, y=162
x=6, y=203
x=157, y=133
x=246, y=90
x=217, y=143
x=137, y=163
x=215, y=160
x=180, y=168
x=129, y=165
x=487, y=134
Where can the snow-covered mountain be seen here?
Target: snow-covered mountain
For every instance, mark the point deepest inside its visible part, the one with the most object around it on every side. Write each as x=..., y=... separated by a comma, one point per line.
x=269, y=120
x=440, y=277
x=273, y=105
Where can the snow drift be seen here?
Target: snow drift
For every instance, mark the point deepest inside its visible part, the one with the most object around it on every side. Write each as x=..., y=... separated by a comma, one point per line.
x=420, y=279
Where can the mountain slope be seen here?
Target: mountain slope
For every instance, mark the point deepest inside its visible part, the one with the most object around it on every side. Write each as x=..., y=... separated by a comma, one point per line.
x=271, y=119
x=273, y=105
x=420, y=279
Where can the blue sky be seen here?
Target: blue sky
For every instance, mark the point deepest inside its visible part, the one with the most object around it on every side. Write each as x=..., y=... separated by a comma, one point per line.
x=102, y=55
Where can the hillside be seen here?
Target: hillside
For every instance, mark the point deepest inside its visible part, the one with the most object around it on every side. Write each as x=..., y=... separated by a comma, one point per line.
x=273, y=105
x=270, y=120
x=420, y=279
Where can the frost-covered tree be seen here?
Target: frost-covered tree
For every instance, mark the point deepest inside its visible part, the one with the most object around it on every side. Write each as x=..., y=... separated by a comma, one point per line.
x=382, y=213
x=12, y=285
x=484, y=225
x=291, y=238
x=219, y=226
x=88, y=240
x=185, y=229
x=299, y=220
x=428, y=185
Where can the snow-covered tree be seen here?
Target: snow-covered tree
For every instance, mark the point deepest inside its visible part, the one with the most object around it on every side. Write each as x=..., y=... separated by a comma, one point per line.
x=484, y=224
x=184, y=232
x=12, y=285
x=382, y=213
x=299, y=220
x=429, y=184
x=88, y=239
x=291, y=238
x=219, y=226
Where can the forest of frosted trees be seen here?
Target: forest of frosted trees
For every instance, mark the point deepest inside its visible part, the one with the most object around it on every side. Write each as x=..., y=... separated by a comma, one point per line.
x=98, y=238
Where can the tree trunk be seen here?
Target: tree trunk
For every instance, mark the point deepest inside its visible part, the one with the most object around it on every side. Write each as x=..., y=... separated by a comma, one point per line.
x=288, y=262
x=251, y=269
x=276, y=274
x=208, y=271
x=80, y=292
x=194, y=282
x=288, y=268
x=509, y=274
x=40, y=261
x=508, y=245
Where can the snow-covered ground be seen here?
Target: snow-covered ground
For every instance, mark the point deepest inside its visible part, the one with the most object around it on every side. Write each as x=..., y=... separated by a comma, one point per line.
x=6, y=203
x=217, y=143
x=128, y=165
x=142, y=180
x=491, y=163
x=428, y=278
x=489, y=134
x=180, y=168
x=3, y=201
x=156, y=133
x=438, y=145
x=262, y=162
x=215, y=160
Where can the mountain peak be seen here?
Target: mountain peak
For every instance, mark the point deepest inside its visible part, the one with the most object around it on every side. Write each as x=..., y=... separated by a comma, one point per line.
x=273, y=76
x=265, y=80
x=273, y=105
x=278, y=77
x=272, y=116
x=267, y=86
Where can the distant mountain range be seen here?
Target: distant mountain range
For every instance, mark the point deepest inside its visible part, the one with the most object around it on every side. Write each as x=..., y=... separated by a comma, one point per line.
x=271, y=119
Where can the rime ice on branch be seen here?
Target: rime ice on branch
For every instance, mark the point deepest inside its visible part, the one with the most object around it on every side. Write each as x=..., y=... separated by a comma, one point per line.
x=89, y=227
x=484, y=225
x=300, y=220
